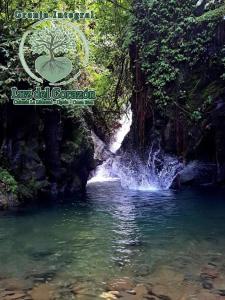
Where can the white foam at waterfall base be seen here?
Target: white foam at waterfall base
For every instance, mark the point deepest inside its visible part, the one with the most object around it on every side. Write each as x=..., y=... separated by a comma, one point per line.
x=102, y=174
x=155, y=173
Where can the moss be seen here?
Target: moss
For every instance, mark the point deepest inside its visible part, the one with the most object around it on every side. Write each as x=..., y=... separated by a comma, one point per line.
x=212, y=15
x=70, y=150
x=213, y=90
x=31, y=188
x=8, y=181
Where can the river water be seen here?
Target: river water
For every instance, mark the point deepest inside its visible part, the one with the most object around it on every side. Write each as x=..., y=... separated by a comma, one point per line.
x=113, y=232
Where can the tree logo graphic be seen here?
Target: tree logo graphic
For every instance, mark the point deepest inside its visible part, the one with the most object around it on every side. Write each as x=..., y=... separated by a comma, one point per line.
x=60, y=48
x=52, y=41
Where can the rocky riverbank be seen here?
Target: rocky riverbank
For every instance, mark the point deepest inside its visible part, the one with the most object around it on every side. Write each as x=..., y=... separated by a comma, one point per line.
x=163, y=284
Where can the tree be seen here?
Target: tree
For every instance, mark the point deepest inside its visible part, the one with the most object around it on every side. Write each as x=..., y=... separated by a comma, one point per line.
x=52, y=40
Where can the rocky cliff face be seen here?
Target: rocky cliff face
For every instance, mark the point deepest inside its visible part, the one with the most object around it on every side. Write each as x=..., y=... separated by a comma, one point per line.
x=48, y=153
x=189, y=117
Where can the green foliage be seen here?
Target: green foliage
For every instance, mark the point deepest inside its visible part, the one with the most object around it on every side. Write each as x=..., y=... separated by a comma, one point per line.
x=196, y=115
x=173, y=42
x=108, y=35
x=12, y=72
x=109, y=67
x=8, y=182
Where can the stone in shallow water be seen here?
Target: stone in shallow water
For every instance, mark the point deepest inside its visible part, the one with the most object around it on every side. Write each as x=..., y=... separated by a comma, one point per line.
x=141, y=290
x=142, y=270
x=41, y=276
x=86, y=297
x=176, y=292
x=209, y=271
x=121, y=284
x=165, y=275
x=161, y=291
x=43, y=292
x=207, y=284
x=203, y=295
x=41, y=254
x=219, y=284
x=12, y=284
x=109, y=295
x=15, y=296
x=84, y=290
x=132, y=292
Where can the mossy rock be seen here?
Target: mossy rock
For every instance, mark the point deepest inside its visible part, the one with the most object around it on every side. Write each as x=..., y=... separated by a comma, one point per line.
x=8, y=182
x=212, y=15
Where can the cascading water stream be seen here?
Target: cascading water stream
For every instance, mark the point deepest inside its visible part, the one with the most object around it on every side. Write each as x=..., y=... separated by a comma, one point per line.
x=157, y=173
x=103, y=172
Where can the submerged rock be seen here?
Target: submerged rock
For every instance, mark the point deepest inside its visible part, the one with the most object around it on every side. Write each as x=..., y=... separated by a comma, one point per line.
x=12, y=284
x=120, y=284
x=203, y=295
x=142, y=270
x=43, y=292
x=111, y=295
x=15, y=296
x=209, y=271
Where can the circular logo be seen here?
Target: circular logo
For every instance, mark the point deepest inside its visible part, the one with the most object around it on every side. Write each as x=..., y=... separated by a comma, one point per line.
x=57, y=51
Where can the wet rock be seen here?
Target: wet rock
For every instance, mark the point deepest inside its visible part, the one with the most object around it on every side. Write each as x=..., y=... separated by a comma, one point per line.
x=55, y=151
x=167, y=283
x=8, y=200
x=15, y=296
x=43, y=292
x=39, y=255
x=219, y=284
x=112, y=295
x=4, y=293
x=165, y=275
x=41, y=276
x=132, y=292
x=220, y=292
x=163, y=297
x=208, y=274
x=121, y=284
x=12, y=284
x=78, y=289
x=141, y=291
x=84, y=290
x=127, y=296
x=189, y=278
x=206, y=284
x=203, y=295
x=151, y=297
x=210, y=271
x=161, y=292
x=143, y=270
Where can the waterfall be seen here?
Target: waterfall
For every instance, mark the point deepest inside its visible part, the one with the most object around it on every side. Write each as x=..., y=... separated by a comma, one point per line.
x=125, y=124
x=156, y=173
x=104, y=172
